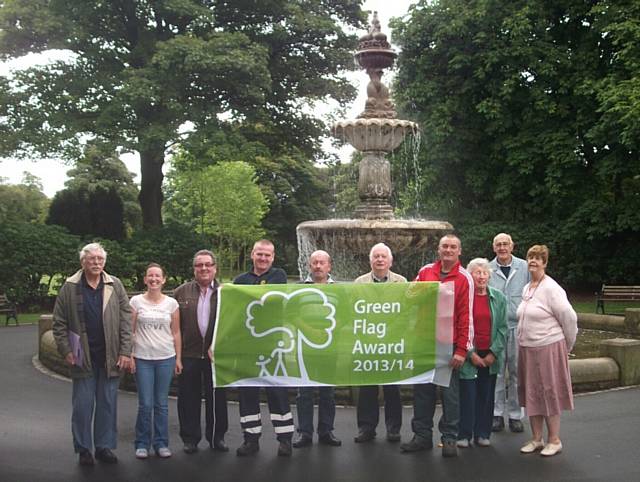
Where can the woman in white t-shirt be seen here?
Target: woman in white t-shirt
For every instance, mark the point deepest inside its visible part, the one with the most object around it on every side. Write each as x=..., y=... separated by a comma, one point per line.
x=156, y=353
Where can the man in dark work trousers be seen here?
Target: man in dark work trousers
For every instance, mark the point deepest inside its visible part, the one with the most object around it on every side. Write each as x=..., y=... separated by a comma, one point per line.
x=263, y=272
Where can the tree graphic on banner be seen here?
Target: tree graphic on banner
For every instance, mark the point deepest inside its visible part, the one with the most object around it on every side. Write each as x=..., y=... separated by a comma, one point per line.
x=283, y=322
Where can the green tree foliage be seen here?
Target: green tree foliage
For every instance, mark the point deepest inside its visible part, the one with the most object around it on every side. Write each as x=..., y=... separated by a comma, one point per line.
x=121, y=261
x=224, y=203
x=530, y=113
x=33, y=257
x=139, y=70
x=342, y=179
x=100, y=168
x=23, y=202
x=173, y=246
x=89, y=212
x=296, y=190
x=99, y=198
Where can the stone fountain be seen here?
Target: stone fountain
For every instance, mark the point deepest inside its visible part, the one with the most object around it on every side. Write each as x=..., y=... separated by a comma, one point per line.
x=375, y=133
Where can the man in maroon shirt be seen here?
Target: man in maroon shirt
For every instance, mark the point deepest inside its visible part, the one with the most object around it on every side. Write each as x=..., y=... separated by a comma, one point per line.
x=446, y=269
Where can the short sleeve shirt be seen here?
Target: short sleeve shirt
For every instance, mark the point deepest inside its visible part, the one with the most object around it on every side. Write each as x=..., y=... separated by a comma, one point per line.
x=153, y=338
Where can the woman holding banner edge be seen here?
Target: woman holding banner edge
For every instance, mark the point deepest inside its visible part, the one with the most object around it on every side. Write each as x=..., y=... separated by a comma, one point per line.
x=480, y=370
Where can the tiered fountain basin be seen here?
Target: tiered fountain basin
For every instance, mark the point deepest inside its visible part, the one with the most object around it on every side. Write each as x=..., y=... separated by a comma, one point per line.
x=348, y=241
x=366, y=134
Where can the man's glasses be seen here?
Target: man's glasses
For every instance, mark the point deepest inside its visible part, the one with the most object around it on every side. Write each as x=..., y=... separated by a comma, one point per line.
x=95, y=259
x=203, y=265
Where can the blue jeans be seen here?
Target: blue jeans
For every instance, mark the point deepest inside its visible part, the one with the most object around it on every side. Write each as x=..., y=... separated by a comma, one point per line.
x=424, y=407
x=97, y=392
x=476, y=405
x=326, y=410
x=153, y=378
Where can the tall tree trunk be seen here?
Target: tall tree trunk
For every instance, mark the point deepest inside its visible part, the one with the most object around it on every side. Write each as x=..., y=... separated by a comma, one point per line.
x=151, y=160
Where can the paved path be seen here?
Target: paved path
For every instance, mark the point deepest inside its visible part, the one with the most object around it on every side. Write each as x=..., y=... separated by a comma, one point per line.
x=601, y=438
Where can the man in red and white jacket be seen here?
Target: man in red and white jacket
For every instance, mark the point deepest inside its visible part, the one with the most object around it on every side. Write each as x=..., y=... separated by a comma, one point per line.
x=446, y=269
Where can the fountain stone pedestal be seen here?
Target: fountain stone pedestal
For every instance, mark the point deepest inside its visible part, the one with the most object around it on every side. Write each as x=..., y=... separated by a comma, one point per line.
x=376, y=132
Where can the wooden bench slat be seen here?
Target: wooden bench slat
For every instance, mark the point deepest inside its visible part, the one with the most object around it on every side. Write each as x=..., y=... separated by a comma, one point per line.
x=616, y=293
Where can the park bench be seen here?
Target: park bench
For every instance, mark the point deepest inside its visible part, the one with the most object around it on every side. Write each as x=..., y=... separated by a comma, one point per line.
x=9, y=309
x=616, y=293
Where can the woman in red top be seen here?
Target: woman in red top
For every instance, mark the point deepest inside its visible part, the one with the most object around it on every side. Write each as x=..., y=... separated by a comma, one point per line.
x=478, y=374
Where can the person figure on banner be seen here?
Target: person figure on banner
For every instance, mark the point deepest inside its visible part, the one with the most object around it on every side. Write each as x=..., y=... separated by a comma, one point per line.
x=278, y=353
x=319, y=272
x=263, y=272
x=92, y=330
x=263, y=362
x=368, y=412
x=509, y=274
x=198, y=301
x=446, y=269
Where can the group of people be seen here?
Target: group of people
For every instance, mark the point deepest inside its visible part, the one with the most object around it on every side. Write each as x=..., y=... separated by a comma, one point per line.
x=513, y=327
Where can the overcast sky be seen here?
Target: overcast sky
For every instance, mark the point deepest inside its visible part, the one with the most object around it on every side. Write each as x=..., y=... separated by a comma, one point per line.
x=53, y=172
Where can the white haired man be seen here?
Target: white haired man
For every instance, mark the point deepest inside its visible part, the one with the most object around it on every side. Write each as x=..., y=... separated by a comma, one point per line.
x=368, y=413
x=92, y=329
x=509, y=274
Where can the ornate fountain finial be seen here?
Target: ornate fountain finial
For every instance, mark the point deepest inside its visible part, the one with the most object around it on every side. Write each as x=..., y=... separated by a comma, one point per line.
x=377, y=130
x=374, y=55
x=375, y=24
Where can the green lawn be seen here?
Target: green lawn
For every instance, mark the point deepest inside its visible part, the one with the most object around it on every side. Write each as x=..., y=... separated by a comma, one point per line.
x=23, y=319
x=586, y=304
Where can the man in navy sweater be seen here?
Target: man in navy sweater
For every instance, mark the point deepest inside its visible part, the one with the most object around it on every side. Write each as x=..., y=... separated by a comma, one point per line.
x=263, y=272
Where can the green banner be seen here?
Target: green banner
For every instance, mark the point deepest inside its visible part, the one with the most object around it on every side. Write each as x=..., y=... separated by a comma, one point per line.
x=332, y=334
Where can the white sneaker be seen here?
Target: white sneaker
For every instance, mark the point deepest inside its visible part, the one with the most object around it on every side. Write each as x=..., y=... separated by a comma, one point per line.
x=483, y=442
x=551, y=449
x=142, y=453
x=463, y=443
x=164, y=452
x=532, y=446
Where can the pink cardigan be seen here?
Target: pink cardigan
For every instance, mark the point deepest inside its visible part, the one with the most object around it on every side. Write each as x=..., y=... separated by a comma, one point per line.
x=547, y=316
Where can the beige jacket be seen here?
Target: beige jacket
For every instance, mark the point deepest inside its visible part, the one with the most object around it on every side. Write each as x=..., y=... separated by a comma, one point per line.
x=68, y=322
x=393, y=278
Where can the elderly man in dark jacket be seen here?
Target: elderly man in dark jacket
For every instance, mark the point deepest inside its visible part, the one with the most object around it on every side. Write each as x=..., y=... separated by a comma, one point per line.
x=92, y=329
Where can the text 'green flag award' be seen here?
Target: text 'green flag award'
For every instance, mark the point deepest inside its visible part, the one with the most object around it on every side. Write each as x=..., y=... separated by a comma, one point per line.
x=333, y=334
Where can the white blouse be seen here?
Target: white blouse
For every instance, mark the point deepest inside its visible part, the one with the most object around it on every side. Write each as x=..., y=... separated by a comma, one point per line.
x=153, y=338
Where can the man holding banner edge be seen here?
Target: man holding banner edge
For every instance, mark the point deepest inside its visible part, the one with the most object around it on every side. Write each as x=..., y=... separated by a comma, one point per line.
x=446, y=270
